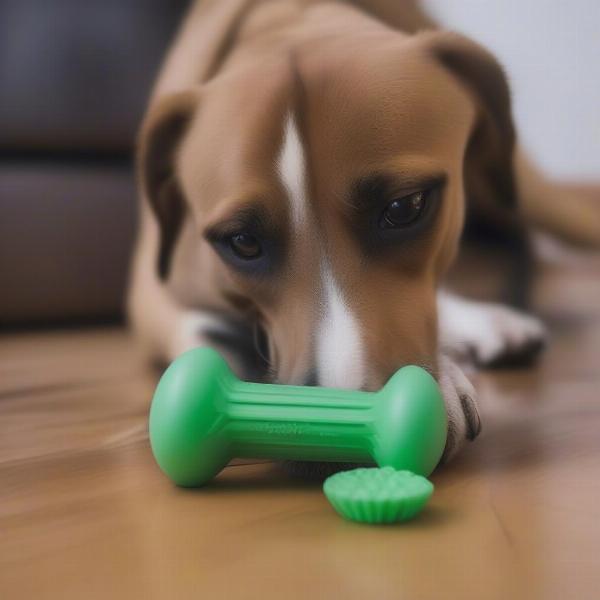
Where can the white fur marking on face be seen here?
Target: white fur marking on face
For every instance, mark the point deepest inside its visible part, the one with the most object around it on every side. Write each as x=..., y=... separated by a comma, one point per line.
x=340, y=355
x=292, y=170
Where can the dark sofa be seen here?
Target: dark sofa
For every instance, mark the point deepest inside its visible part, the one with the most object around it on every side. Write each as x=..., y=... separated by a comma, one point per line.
x=74, y=79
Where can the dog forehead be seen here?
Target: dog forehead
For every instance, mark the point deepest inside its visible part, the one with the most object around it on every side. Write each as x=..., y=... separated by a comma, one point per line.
x=235, y=135
x=356, y=109
x=392, y=97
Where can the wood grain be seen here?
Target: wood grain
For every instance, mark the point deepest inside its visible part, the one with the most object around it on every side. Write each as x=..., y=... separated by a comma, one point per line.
x=85, y=513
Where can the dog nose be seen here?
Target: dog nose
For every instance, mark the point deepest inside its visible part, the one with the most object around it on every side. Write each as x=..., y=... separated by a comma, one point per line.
x=311, y=378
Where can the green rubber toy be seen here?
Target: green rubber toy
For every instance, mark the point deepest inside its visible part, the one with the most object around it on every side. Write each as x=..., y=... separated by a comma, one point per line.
x=202, y=416
x=377, y=495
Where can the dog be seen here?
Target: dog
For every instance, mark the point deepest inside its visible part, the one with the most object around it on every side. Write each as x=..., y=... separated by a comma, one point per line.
x=306, y=170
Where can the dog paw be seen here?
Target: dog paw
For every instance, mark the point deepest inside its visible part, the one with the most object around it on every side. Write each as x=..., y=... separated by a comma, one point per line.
x=511, y=338
x=464, y=423
x=489, y=334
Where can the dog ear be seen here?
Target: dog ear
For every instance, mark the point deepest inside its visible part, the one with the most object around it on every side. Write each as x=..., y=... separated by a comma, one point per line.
x=488, y=167
x=159, y=141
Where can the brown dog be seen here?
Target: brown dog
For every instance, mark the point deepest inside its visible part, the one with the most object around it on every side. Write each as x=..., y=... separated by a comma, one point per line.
x=306, y=169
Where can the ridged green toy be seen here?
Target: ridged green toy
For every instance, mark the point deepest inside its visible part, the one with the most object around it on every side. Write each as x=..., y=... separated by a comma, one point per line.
x=202, y=416
x=374, y=495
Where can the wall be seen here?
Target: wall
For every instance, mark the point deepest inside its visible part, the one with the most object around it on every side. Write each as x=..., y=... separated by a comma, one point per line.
x=551, y=51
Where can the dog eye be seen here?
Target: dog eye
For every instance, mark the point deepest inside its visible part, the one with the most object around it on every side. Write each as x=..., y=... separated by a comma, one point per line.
x=403, y=212
x=245, y=245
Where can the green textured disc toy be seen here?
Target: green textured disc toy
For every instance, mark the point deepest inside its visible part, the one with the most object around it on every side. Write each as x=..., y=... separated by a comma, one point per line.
x=202, y=416
x=377, y=495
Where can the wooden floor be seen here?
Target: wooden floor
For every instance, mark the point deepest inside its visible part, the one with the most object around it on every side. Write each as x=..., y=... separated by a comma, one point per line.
x=85, y=513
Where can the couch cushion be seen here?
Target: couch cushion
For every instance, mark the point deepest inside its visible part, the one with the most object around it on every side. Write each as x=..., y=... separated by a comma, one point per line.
x=76, y=75
x=65, y=240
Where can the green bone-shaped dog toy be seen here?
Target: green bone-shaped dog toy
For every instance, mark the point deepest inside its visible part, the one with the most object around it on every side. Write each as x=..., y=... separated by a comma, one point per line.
x=202, y=416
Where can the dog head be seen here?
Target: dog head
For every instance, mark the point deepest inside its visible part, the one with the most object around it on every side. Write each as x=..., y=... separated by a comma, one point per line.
x=321, y=193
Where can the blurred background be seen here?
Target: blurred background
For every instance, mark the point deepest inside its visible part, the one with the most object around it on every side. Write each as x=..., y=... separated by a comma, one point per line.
x=550, y=50
x=74, y=79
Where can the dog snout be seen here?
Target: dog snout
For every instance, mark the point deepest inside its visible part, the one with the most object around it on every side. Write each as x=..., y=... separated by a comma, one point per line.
x=311, y=378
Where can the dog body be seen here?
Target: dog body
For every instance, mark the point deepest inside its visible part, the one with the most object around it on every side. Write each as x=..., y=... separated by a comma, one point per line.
x=306, y=169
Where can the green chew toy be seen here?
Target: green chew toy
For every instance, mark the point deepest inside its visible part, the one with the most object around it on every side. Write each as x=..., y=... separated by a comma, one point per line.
x=202, y=416
x=377, y=495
